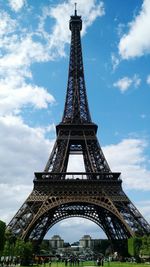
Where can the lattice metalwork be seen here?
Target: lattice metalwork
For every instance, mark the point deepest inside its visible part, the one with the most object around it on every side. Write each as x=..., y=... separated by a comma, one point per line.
x=77, y=141
x=76, y=105
x=54, y=200
x=95, y=194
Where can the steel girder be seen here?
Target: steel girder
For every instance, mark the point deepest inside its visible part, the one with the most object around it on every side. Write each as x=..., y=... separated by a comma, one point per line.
x=27, y=227
x=54, y=200
x=77, y=141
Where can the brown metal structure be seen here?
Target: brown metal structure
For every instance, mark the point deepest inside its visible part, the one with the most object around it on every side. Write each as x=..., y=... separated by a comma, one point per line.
x=95, y=194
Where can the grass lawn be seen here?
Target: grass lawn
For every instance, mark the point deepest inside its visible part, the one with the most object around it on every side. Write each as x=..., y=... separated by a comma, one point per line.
x=126, y=264
x=92, y=263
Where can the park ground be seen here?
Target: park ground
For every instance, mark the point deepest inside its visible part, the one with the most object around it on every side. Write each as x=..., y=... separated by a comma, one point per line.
x=93, y=264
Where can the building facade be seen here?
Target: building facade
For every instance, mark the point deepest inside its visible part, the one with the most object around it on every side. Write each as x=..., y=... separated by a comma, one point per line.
x=56, y=242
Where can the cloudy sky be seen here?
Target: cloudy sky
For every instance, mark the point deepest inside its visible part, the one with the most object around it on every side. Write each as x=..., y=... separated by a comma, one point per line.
x=34, y=55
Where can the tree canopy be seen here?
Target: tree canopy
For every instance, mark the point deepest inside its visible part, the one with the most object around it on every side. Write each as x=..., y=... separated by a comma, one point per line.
x=2, y=235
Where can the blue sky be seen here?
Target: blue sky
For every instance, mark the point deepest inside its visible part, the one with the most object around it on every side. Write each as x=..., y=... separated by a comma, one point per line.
x=34, y=56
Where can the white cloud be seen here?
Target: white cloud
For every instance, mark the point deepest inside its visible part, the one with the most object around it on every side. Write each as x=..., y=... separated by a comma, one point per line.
x=15, y=92
x=22, y=52
x=144, y=207
x=115, y=61
x=128, y=158
x=120, y=29
x=137, y=41
x=73, y=229
x=24, y=150
x=16, y=5
x=11, y=198
x=61, y=13
x=136, y=81
x=21, y=148
x=124, y=83
x=7, y=25
x=148, y=79
x=13, y=98
x=21, y=48
x=76, y=163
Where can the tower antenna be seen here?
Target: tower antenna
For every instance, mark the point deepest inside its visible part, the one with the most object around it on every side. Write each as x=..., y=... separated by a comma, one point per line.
x=75, y=9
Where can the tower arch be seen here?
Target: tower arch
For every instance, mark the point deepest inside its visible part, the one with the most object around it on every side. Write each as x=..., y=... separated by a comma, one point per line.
x=92, y=210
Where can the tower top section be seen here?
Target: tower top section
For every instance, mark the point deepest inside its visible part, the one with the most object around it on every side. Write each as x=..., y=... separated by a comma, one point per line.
x=76, y=109
x=75, y=21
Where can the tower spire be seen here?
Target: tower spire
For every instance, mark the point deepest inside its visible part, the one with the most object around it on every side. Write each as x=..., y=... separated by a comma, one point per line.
x=75, y=11
x=76, y=105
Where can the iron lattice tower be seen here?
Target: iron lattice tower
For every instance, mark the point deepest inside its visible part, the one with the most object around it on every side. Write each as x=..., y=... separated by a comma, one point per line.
x=98, y=196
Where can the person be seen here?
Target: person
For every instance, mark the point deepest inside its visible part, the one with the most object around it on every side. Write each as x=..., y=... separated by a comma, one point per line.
x=50, y=262
x=98, y=262
x=66, y=262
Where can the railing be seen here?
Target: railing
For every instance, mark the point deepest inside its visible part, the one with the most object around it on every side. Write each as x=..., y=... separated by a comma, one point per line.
x=77, y=176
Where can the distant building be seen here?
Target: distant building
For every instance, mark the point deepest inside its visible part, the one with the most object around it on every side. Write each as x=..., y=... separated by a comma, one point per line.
x=86, y=241
x=85, y=245
x=56, y=242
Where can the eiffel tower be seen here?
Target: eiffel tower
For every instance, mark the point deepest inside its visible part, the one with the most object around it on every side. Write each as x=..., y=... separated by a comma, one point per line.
x=95, y=194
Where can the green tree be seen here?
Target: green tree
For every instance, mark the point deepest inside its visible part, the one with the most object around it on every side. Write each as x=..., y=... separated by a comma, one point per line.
x=23, y=250
x=145, y=248
x=26, y=250
x=134, y=246
x=9, y=243
x=101, y=246
x=44, y=247
x=19, y=248
x=2, y=235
